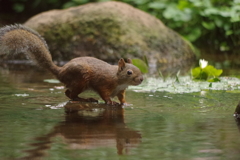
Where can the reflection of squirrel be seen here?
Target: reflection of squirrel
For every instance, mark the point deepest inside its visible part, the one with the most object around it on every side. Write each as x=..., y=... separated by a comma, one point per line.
x=86, y=128
x=79, y=74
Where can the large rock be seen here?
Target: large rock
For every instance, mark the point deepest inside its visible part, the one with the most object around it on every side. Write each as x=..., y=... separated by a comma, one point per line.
x=109, y=30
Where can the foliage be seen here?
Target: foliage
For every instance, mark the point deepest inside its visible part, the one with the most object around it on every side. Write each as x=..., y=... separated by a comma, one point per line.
x=206, y=72
x=141, y=65
x=212, y=22
x=30, y=7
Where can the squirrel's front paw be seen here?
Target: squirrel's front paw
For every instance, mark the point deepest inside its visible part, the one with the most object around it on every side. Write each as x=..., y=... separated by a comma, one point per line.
x=112, y=103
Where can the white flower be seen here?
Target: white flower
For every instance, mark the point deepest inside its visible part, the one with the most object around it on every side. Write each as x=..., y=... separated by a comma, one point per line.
x=203, y=63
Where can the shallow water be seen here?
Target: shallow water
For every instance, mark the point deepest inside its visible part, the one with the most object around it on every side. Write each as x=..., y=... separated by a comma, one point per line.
x=38, y=122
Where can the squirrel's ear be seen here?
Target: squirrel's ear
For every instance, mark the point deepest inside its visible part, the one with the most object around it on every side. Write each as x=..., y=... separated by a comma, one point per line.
x=129, y=61
x=121, y=64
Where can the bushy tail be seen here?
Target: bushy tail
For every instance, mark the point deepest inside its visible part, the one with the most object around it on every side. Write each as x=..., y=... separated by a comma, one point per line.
x=17, y=38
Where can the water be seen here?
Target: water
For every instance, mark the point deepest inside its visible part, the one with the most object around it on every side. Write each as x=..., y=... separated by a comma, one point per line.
x=38, y=122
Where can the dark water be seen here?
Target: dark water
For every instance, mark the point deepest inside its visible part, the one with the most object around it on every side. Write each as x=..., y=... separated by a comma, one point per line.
x=38, y=122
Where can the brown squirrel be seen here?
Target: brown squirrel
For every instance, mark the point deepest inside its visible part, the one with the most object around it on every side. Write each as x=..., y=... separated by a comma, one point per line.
x=79, y=74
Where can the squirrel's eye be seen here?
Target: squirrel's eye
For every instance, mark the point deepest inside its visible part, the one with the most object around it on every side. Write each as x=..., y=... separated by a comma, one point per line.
x=129, y=72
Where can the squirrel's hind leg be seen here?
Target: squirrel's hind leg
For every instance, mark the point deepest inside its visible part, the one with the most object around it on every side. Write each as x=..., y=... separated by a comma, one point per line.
x=73, y=95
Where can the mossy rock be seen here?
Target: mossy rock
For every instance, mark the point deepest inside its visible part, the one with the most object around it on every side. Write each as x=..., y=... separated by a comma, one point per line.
x=108, y=31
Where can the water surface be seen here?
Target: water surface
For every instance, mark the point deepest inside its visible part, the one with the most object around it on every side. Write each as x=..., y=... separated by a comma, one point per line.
x=38, y=122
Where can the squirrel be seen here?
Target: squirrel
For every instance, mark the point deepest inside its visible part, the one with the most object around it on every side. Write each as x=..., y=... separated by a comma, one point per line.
x=79, y=74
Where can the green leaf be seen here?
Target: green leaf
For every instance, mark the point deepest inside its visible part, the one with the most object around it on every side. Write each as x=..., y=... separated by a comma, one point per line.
x=203, y=76
x=218, y=72
x=211, y=71
x=182, y=4
x=161, y=75
x=213, y=80
x=199, y=73
x=140, y=2
x=219, y=22
x=235, y=19
x=171, y=12
x=208, y=25
x=18, y=7
x=194, y=34
x=177, y=75
x=145, y=60
x=69, y=4
x=196, y=72
x=210, y=85
x=141, y=65
x=156, y=5
x=229, y=32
